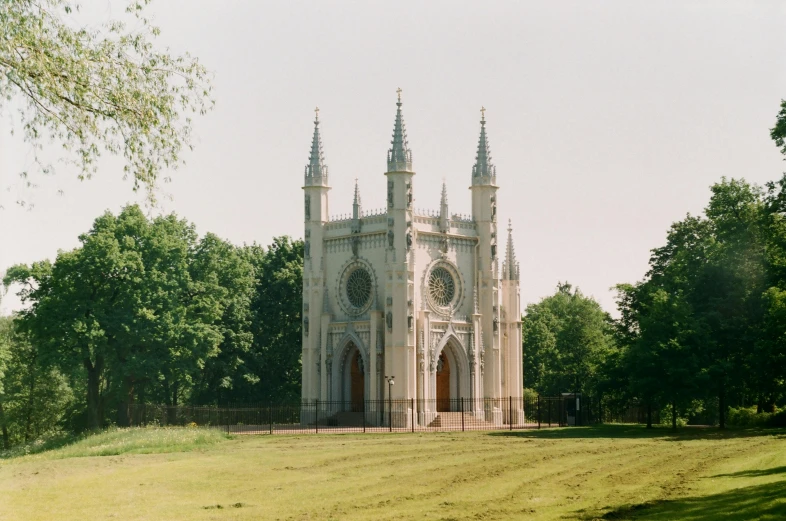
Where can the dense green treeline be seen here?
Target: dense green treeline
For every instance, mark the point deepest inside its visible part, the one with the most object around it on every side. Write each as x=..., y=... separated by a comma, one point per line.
x=705, y=330
x=145, y=310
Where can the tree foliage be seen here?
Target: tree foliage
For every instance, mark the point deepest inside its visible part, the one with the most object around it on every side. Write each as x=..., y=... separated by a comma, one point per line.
x=706, y=322
x=99, y=90
x=566, y=337
x=144, y=310
x=778, y=132
x=34, y=397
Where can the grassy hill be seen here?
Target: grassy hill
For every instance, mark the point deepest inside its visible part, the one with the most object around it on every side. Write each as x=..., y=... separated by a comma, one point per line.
x=580, y=473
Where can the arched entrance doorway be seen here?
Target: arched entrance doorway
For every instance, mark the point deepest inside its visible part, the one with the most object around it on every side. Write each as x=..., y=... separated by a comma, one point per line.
x=357, y=380
x=443, y=383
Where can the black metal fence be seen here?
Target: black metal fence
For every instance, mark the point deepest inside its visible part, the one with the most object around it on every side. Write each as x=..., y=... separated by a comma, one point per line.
x=462, y=414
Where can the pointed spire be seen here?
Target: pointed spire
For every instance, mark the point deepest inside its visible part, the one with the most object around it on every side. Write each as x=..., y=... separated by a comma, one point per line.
x=511, y=267
x=399, y=155
x=316, y=161
x=483, y=172
x=357, y=208
x=444, y=216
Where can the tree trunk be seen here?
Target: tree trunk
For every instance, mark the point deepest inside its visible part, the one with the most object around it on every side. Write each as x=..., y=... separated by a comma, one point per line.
x=673, y=416
x=94, y=413
x=649, y=416
x=6, y=440
x=30, y=398
x=127, y=400
x=722, y=406
x=173, y=401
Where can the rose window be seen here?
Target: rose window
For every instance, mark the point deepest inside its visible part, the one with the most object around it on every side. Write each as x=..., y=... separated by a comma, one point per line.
x=359, y=287
x=441, y=286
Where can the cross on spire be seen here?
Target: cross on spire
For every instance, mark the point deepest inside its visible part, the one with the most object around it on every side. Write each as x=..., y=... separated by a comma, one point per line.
x=316, y=113
x=398, y=91
x=482, y=114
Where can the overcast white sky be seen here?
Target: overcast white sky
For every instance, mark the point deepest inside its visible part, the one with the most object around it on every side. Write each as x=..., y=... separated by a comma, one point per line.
x=608, y=120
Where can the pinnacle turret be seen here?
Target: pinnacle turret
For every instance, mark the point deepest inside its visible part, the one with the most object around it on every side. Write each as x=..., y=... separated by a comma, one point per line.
x=316, y=167
x=357, y=208
x=399, y=155
x=510, y=269
x=483, y=172
x=444, y=216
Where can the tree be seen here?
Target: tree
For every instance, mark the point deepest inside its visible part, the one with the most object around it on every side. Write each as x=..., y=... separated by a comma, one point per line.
x=566, y=337
x=34, y=397
x=277, y=316
x=699, y=313
x=95, y=90
x=138, y=306
x=778, y=132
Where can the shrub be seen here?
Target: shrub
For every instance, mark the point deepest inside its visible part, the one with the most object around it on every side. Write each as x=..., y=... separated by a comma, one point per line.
x=778, y=419
x=748, y=417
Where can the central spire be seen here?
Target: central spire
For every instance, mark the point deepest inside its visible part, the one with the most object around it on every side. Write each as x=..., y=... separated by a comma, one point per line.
x=316, y=160
x=399, y=155
x=483, y=172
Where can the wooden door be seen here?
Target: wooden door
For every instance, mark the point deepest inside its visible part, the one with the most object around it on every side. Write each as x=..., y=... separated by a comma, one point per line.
x=443, y=384
x=358, y=382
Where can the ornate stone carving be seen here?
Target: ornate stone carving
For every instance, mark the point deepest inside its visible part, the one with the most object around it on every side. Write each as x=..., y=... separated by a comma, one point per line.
x=305, y=325
x=389, y=320
x=390, y=194
x=355, y=245
x=308, y=207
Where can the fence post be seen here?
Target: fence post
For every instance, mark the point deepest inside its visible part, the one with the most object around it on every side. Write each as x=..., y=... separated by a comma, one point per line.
x=538, y=412
x=316, y=423
x=577, y=413
x=462, y=414
x=600, y=409
x=412, y=403
x=364, y=416
x=511, y=421
x=270, y=417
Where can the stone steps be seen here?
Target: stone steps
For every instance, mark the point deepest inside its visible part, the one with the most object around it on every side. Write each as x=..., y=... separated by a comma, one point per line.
x=453, y=421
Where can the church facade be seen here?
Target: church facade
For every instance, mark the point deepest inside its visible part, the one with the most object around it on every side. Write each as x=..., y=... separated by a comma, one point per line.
x=419, y=296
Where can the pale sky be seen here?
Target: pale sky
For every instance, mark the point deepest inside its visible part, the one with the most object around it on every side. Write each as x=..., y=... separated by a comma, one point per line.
x=608, y=121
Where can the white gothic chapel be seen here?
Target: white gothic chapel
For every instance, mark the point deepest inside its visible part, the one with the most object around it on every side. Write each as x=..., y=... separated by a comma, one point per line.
x=415, y=295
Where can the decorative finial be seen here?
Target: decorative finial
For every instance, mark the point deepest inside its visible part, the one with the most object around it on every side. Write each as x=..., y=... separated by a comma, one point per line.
x=316, y=115
x=510, y=221
x=398, y=91
x=482, y=114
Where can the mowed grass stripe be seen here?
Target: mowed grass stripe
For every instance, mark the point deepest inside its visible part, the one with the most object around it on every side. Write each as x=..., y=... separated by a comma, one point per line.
x=472, y=475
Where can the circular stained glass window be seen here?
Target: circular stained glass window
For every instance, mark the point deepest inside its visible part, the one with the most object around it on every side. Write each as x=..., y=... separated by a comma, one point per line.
x=359, y=287
x=441, y=286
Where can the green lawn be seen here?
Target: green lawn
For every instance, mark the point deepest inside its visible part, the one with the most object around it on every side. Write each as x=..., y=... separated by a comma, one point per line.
x=580, y=473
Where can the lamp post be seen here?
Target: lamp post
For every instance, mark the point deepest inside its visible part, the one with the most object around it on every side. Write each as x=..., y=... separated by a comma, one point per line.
x=390, y=401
